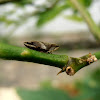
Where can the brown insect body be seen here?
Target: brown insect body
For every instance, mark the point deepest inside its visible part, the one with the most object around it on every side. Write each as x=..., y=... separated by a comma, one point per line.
x=41, y=46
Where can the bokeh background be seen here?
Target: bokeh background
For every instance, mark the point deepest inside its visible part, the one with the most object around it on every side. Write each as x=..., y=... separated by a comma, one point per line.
x=52, y=21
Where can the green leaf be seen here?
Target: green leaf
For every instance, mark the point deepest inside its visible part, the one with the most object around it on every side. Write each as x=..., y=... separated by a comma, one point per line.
x=43, y=94
x=50, y=14
x=96, y=76
x=74, y=18
x=23, y=2
x=86, y=3
x=89, y=88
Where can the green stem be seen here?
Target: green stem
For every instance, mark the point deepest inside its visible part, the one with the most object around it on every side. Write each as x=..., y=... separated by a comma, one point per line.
x=10, y=52
x=86, y=16
x=97, y=54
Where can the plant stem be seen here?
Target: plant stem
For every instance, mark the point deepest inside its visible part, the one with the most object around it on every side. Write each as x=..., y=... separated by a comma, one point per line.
x=97, y=54
x=10, y=52
x=86, y=16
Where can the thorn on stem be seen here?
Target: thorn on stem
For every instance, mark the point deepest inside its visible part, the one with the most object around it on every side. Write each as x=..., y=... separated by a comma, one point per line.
x=63, y=69
x=59, y=72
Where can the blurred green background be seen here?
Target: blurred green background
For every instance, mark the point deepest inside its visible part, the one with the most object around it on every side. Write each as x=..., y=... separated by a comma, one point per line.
x=52, y=21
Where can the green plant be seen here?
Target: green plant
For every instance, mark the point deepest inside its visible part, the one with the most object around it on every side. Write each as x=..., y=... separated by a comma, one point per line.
x=69, y=64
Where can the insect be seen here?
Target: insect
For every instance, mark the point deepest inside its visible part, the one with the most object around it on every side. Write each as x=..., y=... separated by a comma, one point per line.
x=41, y=46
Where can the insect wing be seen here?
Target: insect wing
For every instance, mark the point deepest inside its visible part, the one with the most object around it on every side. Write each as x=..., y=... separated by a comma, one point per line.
x=36, y=45
x=29, y=45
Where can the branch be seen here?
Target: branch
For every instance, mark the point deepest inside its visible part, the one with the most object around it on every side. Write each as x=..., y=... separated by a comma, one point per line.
x=86, y=16
x=7, y=1
x=10, y=52
x=69, y=64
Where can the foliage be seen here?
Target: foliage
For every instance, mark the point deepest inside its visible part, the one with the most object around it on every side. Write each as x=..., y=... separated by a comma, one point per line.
x=43, y=94
x=75, y=18
x=24, y=2
x=50, y=14
x=75, y=14
x=47, y=13
x=90, y=87
x=3, y=18
x=85, y=89
x=86, y=3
